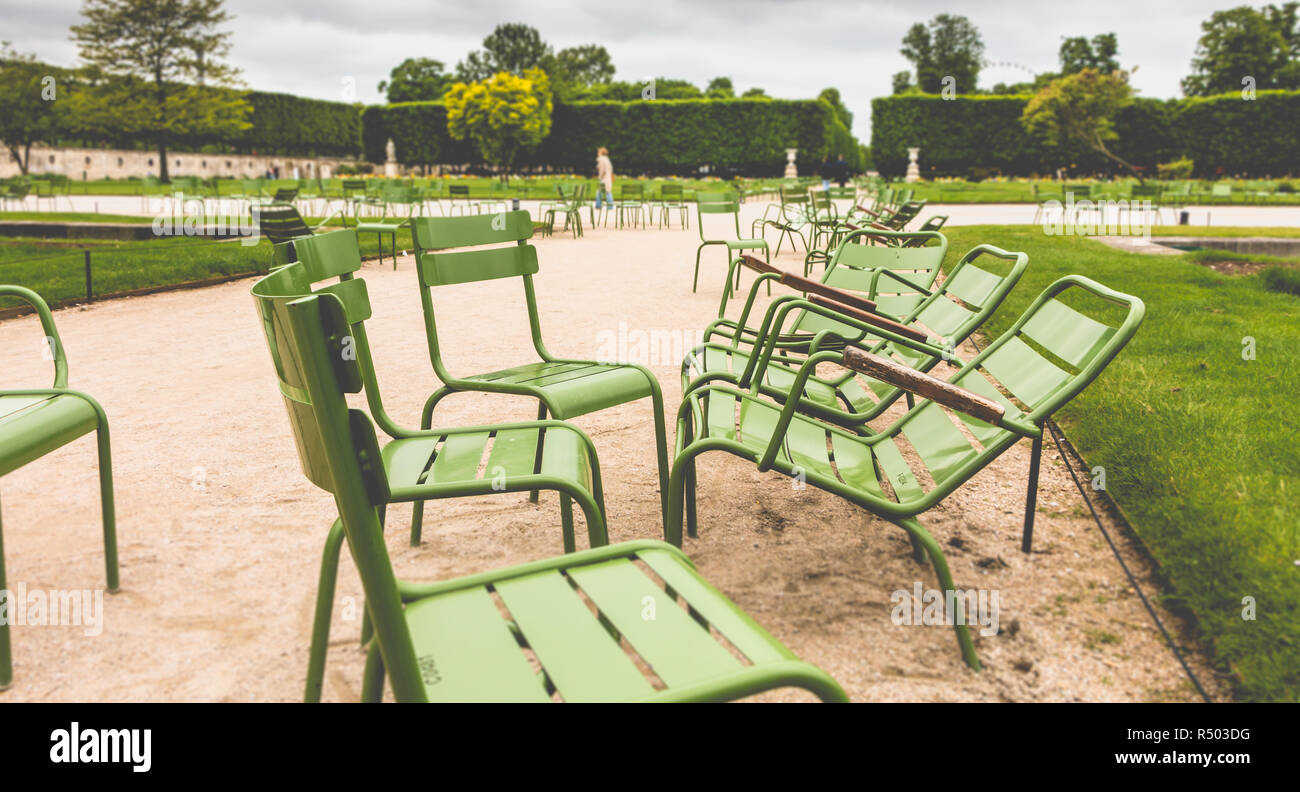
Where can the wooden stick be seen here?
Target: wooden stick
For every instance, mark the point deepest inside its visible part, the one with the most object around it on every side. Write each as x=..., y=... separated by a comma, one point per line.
x=923, y=385
x=809, y=285
x=871, y=319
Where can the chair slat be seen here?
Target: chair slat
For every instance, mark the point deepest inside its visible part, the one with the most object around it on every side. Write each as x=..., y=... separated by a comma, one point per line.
x=939, y=443
x=1028, y=375
x=469, y=266
x=1067, y=333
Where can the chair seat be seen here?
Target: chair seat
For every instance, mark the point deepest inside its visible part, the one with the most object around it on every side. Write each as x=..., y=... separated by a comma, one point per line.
x=746, y=244
x=473, y=642
x=422, y=467
x=33, y=426
x=576, y=388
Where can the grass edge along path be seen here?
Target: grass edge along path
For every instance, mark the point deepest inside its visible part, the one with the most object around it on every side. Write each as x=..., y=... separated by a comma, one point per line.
x=1197, y=442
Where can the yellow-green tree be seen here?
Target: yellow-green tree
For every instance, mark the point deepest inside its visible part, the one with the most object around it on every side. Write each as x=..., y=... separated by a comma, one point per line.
x=503, y=115
x=1082, y=107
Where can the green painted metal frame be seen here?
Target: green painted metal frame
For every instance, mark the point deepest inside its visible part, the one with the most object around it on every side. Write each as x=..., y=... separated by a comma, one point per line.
x=447, y=640
x=30, y=431
x=780, y=439
x=722, y=203
x=949, y=315
x=437, y=264
x=336, y=255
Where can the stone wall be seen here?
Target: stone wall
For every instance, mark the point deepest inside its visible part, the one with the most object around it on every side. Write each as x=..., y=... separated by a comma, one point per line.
x=86, y=164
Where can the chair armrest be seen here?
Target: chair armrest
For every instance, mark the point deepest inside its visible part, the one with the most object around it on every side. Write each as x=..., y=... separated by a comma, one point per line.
x=873, y=319
x=47, y=324
x=809, y=286
x=924, y=385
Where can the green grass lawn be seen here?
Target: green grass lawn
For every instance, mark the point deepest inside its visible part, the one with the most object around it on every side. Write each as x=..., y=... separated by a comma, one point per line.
x=1199, y=444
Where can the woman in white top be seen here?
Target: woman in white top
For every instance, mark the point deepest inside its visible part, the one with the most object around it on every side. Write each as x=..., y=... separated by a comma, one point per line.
x=605, y=175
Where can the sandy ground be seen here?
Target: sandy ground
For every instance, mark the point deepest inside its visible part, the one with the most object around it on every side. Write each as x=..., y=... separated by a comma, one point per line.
x=220, y=533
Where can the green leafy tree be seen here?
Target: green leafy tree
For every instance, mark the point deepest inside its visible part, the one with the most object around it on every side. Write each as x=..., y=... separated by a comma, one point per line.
x=512, y=47
x=1079, y=53
x=902, y=82
x=831, y=96
x=1081, y=107
x=416, y=80
x=755, y=93
x=581, y=67
x=503, y=115
x=950, y=46
x=1244, y=42
x=29, y=107
x=154, y=68
x=620, y=91
x=720, y=88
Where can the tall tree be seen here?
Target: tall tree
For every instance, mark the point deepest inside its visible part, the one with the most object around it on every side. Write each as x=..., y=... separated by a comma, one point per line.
x=950, y=46
x=512, y=47
x=155, y=68
x=583, y=66
x=720, y=88
x=29, y=109
x=832, y=97
x=416, y=80
x=1079, y=53
x=1081, y=106
x=1244, y=42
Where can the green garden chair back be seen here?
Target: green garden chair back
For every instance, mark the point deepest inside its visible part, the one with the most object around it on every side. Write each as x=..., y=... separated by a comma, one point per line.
x=579, y=618
x=975, y=287
x=913, y=260
x=36, y=421
x=672, y=198
x=563, y=388
x=1221, y=193
x=722, y=203
x=458, y=196
x=281, y=223
x=631, y=206
x=1061, y=343
x=790, y=217
x=434, y=463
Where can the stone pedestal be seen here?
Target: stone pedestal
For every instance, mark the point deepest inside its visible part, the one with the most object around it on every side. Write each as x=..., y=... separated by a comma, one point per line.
x=791, y=171
x=390, y=163
x=913, y=170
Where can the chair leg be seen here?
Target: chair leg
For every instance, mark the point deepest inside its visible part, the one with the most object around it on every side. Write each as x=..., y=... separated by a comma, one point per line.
x=320, y=631
x=417, y=508
x=695, y=283
x=661, y=443
x=1031, y=499
x=537, y=462
x=6, y=657
x=692, y=524
x=566, y=522
x=930, y=547
x=372, y=679
x=107, y=508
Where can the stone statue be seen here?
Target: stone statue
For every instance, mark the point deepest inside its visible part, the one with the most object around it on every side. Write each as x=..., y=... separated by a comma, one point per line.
x=913, y=170
x=791, y=171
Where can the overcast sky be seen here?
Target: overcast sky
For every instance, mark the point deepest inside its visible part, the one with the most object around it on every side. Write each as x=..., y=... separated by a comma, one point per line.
x=791, y=49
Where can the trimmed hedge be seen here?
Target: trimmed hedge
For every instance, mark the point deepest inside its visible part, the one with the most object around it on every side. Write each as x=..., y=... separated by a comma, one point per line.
x=985, y=132
x=285, y=124
x=747, y=136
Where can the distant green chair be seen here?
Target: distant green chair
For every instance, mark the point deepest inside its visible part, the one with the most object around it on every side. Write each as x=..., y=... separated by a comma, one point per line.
x=563, y=388
x=790, y=217
x=571, y=628
x=631, y=207
x=458, y=197
x=382, y=226
x=1076, y=348
x=15, y=192
x=1221, y=193
x=672, y=199
x=36, y=421
x=724, y=203
x=431, y=464
x=1142, y=193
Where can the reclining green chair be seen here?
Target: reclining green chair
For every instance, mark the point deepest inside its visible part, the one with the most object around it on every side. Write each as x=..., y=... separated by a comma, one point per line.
x=581, y=617
x=949, y=314
x=430, y=464
x=281, y=223
x=722, y=203
x=563, y=388
x=858, y=468
x=36, y=421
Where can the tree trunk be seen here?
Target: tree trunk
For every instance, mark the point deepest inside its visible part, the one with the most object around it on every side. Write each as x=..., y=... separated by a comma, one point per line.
x=163, y=175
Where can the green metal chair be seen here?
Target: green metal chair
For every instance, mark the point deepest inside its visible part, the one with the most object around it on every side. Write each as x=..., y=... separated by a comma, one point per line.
x=458, y=196
x=771, y=357
x=36, y=421
x=859, y=468
x=631, y=205
x=722, y=203
x=428, y=464
x=281, y=223
x=563, y=388
x=672, y=199
x=581, y=617
x=790, y=217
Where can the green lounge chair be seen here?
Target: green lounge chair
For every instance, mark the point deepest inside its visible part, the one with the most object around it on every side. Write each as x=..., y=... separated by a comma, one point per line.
x=566, y=627
x=430, y=464
x=563, y=388
x=949, y=314
x=722, y=203
x=36, y=421
x=777, y=437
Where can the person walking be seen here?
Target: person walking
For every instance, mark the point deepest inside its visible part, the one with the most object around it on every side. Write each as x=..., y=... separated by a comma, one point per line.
x=842, y=173
x=605, y=177
x=826, y=170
